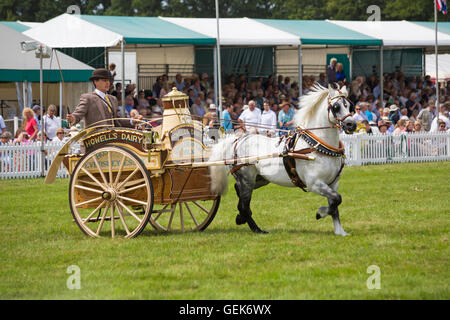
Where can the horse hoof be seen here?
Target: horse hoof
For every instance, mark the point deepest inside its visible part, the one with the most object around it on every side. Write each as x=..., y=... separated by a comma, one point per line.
x=240, y=220
x=260, y=231
x=318, y=216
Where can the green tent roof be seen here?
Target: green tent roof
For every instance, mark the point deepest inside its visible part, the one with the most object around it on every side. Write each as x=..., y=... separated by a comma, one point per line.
x=15, y=25
x=443, y=27
x=322, y=32
x=149, y=30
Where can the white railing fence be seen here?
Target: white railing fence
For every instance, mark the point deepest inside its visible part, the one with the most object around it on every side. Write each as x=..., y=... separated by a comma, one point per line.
x=24, y=161
x=361, y=149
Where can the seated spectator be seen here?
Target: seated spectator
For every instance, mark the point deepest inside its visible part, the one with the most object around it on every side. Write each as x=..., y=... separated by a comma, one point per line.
x=208, y=117
x=129, y=105
x=394, y=115
x=117, y=91
x=360, y=114
x=443, y=117
x=442, y=126
x=400, y=126
x=196, y=88
x=179, y=83
x=5, y=137
x=409, y=126
x=418, y=126
x=404, y=114
x=60, y=136
x=323, y=80
x=227, y=120
x=142, y=100
x=197, y=109
x=382, y=127
x=286, y=118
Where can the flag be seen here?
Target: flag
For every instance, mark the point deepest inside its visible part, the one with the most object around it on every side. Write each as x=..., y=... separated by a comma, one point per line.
x=442, y=6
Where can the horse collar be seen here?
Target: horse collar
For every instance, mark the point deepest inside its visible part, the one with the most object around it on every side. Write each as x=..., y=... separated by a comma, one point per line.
x=321, y=146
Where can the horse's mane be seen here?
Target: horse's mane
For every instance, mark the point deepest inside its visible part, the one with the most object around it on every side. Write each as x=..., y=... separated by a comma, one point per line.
x=309, y=104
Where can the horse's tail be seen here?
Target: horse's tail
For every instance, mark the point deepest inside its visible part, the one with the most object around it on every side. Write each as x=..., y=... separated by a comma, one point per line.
x=219, y=174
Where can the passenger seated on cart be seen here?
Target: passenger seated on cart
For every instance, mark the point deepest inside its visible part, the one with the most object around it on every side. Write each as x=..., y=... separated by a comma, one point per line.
x=99, y=105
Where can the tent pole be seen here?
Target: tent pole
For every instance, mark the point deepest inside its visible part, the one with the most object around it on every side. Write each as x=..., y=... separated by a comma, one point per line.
x=381, y=97
x=61, y=101
x=350, y=64
x=424, y=64
x=219, y=71
x=122, y=48
x=41, y=95
x=24, y=94
x=436, y=56
x=216, y=92
x=300, y=72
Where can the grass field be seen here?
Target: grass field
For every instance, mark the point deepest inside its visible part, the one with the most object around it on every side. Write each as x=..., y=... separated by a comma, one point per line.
x=398, y=215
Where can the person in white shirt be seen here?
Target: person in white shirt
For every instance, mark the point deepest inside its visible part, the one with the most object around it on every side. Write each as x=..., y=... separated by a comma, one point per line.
x=443, y=117
x=250, y=117
x=51, y=122
x=2, y=125
x=268, y=121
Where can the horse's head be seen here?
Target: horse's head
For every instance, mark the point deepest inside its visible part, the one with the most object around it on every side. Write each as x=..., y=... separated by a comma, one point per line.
x=339, y=110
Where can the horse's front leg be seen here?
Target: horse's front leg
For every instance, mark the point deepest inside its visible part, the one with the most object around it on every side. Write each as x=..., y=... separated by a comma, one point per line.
x=334, y=200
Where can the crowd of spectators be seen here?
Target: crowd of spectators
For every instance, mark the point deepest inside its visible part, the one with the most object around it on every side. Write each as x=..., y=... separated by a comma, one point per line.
x=409, y=103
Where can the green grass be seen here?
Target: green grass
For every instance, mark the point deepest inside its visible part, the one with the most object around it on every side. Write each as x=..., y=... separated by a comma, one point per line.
x=398, y=216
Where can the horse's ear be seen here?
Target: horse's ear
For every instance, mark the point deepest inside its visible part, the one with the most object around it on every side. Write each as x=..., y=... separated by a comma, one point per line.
x=344, y=90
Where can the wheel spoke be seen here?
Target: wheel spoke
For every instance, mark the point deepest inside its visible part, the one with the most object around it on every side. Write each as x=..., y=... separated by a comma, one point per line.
x=93, y=178
x=192, y=215
x=119, y=210
x=133, y=188
x=88, y=201
x=88, y=189
x=171, y=216
x=110, y=168
x=113, y=232
x=100, y=170
x=160, y=212
x=181, y=217
x=132, y=200
x=102, y=220
x=128, y=178
x=201, y=207
x=129, y=211
x=119, y=173
x=83, y=221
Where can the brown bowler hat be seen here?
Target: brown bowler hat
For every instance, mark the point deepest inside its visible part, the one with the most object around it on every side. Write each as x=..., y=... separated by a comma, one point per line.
x=100, y=74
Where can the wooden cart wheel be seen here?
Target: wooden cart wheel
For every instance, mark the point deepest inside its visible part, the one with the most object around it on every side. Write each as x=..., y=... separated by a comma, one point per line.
x=105, y=187
x=184, y=216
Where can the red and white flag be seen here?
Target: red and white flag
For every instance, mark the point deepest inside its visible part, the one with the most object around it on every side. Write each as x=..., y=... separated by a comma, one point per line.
x=442, y=6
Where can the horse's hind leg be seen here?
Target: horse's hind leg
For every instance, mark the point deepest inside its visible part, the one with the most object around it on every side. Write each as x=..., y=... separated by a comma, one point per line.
x=244, y=187
x=334, y=200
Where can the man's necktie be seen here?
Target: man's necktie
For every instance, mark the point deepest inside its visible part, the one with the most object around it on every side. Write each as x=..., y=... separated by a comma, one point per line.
x=109, y=103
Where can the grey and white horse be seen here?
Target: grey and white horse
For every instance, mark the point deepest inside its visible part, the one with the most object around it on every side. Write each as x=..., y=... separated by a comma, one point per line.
x=324, y=108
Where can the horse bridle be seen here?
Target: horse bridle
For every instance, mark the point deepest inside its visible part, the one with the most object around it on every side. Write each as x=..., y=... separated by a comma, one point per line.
x=332, y=107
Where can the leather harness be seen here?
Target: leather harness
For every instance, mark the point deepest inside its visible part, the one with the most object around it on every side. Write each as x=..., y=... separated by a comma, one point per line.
x=316, y=145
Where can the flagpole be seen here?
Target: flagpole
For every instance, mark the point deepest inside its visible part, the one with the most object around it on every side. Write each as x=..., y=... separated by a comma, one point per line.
x=219, y=71
x=436, y=54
